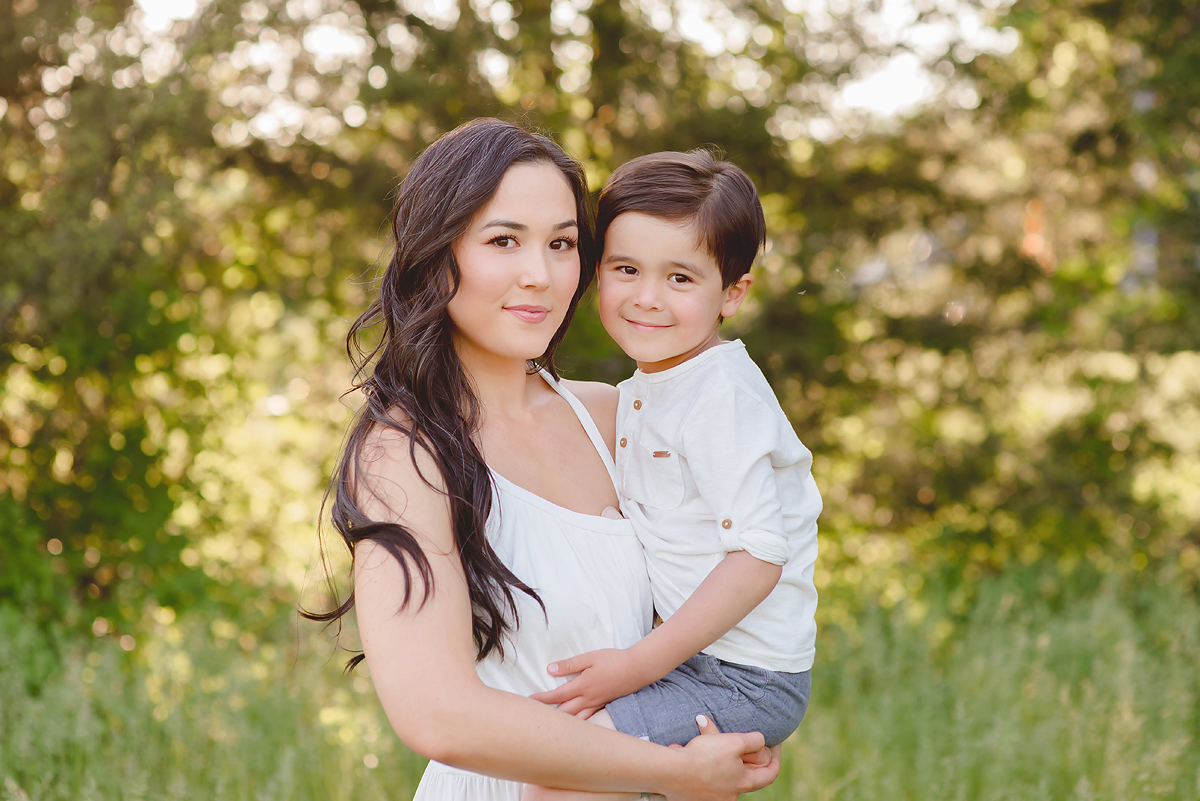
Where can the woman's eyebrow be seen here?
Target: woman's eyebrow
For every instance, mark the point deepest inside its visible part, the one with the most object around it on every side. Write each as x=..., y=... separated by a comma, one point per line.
x=516, y=226
x=507, y=224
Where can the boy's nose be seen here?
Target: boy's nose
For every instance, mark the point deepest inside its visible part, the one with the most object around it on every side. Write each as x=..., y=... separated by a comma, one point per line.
x=647, y=296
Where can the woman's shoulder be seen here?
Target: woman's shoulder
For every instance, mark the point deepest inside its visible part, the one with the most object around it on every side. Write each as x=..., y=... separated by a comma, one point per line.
x=592, y=391
x=397, y=480
x=391, y=448
x=600, y=400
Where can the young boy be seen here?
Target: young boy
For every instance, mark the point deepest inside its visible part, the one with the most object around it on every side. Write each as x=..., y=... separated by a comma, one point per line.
x=712, y=475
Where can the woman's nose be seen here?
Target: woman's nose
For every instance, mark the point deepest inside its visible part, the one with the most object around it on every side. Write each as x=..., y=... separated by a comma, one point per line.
x=535, y=272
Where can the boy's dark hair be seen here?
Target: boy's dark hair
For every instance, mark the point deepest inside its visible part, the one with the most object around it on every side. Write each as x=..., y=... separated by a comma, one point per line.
x=716, y=196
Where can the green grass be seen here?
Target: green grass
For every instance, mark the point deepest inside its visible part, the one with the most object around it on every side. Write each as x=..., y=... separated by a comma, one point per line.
x=1095, y=696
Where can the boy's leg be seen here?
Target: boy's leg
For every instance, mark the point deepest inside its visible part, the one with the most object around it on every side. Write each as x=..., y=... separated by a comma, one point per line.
x=531, y=792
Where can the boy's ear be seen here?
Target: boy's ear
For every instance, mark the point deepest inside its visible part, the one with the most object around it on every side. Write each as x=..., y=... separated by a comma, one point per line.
x=735, y=293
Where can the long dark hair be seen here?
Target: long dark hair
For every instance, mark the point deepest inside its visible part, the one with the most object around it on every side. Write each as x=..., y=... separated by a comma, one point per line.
x=413, y=382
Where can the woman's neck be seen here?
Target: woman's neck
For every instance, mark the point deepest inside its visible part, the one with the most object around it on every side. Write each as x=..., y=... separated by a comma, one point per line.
x=502, y=386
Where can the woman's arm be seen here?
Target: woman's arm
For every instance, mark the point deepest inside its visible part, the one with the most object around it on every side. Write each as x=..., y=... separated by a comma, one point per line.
x=422, y=662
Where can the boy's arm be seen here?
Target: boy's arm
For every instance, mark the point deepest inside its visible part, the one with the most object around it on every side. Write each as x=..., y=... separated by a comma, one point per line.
x=738, y=584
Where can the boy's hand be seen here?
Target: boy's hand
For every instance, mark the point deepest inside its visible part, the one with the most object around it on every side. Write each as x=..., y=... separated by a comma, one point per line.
x=604, y=676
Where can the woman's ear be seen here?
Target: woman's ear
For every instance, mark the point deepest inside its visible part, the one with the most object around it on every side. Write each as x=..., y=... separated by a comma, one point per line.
x=735, y=293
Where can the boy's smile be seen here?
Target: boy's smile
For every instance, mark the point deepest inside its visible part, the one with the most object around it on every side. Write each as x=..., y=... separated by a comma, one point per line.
x=661, y=297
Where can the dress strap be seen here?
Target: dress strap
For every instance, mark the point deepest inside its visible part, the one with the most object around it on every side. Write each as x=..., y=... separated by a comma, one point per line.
x=589, y=425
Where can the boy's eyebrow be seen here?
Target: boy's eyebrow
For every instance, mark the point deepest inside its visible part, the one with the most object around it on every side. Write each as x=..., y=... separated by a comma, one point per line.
x=516, y=226
x=683, y=265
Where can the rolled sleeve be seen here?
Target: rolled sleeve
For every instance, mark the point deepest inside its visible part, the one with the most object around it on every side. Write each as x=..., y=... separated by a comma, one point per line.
x=764, y=545
x=728, y=439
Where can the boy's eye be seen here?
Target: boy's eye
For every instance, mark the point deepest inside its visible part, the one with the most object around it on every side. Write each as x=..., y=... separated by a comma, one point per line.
x=625, y=269
x=679, y=278
x=503, y=241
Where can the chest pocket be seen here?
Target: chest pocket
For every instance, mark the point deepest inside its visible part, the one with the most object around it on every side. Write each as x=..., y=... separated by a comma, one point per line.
x=653, y=475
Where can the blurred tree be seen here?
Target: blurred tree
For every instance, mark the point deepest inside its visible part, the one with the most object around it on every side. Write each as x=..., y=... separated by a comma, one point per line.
x=980, y=316
x=140, y=258
x=993, y=304
x=89, y=315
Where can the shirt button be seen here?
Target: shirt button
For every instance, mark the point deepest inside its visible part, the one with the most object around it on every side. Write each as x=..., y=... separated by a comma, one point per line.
x=637, y=404
x=623, y=442
x=727, y=523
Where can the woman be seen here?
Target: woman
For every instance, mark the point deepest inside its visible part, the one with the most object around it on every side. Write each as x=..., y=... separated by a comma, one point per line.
x=473, y=490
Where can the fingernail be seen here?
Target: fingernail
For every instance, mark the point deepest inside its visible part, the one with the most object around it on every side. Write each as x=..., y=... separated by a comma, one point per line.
x=701, y=721
x=553, y=667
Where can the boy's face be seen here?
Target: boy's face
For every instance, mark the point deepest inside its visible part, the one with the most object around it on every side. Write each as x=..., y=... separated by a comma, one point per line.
x=661, y=297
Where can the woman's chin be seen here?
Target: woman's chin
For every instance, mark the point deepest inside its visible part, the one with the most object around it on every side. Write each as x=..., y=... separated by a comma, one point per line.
x=495, y=352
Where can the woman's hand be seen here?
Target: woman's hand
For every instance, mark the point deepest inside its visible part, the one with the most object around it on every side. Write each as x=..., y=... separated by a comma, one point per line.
x=604, y=675
x=726, y=765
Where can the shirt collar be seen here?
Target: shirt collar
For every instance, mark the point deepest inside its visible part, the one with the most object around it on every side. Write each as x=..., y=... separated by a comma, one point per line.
x=680, y=369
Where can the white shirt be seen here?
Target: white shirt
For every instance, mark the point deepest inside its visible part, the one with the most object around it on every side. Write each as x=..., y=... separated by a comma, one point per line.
x=708, y=463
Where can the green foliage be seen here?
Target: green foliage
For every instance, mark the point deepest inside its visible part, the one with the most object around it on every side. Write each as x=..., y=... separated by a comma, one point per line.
x=981, y=317
x=133, y=247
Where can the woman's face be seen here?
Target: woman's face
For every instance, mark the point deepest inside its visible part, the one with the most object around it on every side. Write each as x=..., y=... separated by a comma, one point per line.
x=519, y=267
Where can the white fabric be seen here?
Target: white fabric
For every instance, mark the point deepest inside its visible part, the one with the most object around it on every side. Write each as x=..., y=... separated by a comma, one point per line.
x=708, y=463
x=591, y=575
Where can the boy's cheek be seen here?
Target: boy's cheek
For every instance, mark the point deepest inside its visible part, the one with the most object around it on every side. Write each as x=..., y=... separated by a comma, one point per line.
x=607, y=306
x=609, y=323
x=607, y=297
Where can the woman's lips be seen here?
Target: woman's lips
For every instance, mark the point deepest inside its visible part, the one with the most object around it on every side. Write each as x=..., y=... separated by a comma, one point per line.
x=528, y=314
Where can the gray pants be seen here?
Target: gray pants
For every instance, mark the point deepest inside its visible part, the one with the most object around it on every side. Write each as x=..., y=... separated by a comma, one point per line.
x=738, y=698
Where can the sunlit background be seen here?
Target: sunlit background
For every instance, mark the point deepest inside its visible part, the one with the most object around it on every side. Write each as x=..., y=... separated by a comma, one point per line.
x=978, y=306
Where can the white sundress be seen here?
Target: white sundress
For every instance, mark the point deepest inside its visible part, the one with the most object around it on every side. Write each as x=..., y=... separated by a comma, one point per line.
x=589, y=572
